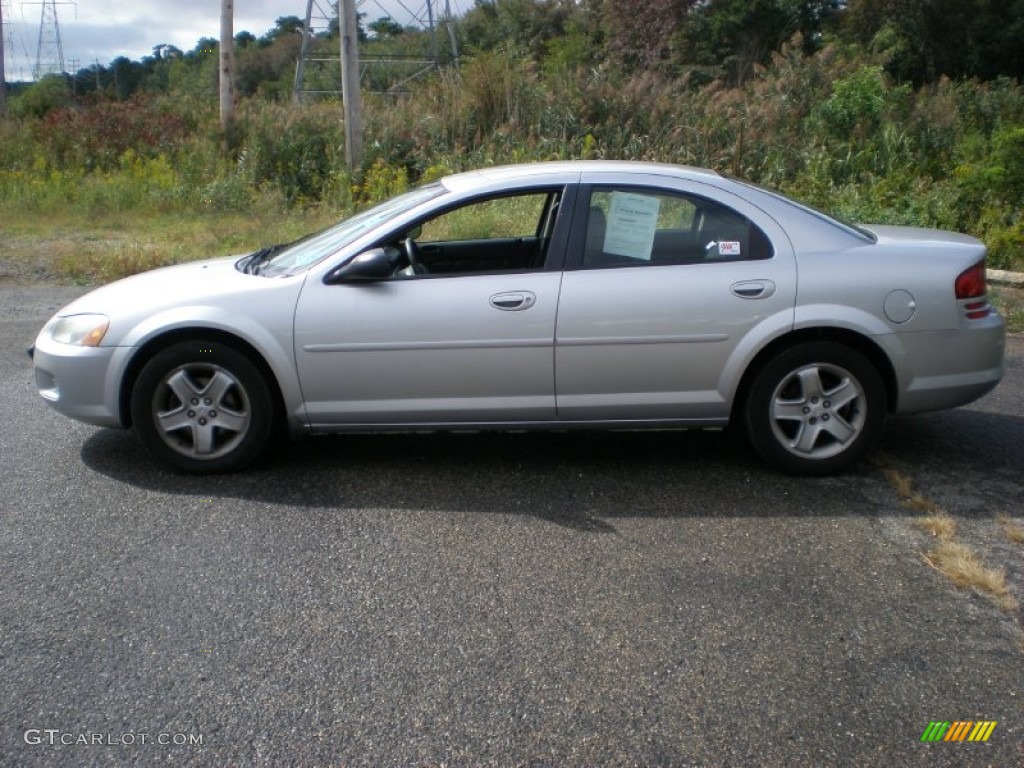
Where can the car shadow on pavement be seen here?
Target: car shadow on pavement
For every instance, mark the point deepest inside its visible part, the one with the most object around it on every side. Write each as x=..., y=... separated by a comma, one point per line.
x=576, y=479
x=962, y=439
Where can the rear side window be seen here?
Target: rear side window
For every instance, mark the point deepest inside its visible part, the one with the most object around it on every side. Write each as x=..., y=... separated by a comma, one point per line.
x=638, y=227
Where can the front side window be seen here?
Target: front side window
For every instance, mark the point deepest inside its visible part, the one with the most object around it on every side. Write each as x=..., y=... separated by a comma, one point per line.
x=498, y=234
x=495, y=219
x=639, y=227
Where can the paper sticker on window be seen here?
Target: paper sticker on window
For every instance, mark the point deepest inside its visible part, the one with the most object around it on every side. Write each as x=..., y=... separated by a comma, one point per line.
x=632, y=222
x=729, y=248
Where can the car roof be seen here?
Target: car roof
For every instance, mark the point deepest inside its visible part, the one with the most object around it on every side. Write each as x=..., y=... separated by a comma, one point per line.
x=507, y=173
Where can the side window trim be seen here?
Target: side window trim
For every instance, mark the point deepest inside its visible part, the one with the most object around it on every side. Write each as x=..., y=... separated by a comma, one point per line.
x=577, y=242
x=556, y=249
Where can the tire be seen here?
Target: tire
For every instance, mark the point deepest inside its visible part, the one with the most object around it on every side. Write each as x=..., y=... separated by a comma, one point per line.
x=202, y=407
x=815, y=408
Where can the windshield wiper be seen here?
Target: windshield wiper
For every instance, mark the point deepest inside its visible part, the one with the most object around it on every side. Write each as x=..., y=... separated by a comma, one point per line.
x=251, y=264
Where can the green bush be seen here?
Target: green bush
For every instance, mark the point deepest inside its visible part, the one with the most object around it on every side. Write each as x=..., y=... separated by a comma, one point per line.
x=48, y=93
x=1008, y=166
x=295, y=150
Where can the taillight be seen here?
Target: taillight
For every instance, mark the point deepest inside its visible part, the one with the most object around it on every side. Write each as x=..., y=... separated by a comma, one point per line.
x=970, y=284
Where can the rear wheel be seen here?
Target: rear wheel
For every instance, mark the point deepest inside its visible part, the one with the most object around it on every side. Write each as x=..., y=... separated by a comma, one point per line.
x=202, y=406
x=815, y=408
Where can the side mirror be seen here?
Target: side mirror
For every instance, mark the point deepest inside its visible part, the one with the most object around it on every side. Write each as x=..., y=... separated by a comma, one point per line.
x=369, y=266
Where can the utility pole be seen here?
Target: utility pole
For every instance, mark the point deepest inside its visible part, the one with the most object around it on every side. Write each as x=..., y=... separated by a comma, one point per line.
x=73, y=72
x=352, y=102
x=227, y=67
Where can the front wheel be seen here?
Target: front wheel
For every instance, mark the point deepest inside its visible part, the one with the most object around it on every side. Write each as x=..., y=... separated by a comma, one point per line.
x=202, y=406
x=815, y=408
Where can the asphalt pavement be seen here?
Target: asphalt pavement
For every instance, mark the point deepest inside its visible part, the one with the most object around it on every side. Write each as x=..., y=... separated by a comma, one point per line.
x=577, y=599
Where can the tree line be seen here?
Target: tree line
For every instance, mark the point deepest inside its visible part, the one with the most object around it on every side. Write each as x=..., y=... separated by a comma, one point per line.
x=700, y=40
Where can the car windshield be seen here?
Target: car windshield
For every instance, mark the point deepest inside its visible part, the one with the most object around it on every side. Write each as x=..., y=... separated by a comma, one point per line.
x=306, y=252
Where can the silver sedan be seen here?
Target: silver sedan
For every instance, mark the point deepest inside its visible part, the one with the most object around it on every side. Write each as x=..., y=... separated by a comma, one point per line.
x=556, y=295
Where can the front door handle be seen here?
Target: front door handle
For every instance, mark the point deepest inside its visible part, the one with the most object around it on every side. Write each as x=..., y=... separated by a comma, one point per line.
x=513, y=301
x=753, y=289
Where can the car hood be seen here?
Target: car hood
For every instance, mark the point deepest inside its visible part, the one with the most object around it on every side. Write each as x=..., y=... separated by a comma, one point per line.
x=194, y=282
x=206, y=293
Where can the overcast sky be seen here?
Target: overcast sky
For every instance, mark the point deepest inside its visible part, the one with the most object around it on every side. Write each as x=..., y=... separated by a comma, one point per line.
x=102, y=30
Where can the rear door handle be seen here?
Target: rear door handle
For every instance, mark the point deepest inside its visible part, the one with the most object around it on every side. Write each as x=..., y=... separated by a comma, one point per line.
x=514, y=300
x=753, y=289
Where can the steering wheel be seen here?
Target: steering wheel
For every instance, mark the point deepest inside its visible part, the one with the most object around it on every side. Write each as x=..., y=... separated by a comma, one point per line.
x=412, y=253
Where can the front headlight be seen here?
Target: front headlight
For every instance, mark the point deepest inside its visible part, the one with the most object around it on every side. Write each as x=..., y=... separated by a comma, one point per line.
x=80, y=330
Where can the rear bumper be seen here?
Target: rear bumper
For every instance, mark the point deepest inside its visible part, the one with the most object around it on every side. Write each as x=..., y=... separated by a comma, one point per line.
x=946, y=369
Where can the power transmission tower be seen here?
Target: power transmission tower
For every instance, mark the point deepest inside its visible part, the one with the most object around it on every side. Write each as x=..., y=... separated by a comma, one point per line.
x=49, y=50
x=317, y=21
x=410, y=66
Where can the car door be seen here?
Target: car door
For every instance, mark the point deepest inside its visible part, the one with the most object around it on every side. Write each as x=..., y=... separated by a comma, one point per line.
x=464, y=337
x=668, y=283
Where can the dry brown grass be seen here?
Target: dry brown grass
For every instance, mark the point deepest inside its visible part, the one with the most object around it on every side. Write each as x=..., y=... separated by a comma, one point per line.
x=962, y=566
x=1014, y=531
x=940, y=525
x=956, y=561
x=905, y=489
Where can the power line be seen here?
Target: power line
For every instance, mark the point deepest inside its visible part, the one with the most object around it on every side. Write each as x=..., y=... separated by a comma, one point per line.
x=17, y=60
x=3, y=69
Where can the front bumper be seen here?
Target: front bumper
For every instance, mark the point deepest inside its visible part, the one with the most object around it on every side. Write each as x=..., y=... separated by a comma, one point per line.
x=76, y=381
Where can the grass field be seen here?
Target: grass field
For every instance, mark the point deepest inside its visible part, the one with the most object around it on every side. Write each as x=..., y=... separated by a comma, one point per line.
x=72, y=248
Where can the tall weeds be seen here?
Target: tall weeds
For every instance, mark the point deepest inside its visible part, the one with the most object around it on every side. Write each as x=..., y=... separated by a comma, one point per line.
x=830, y=129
